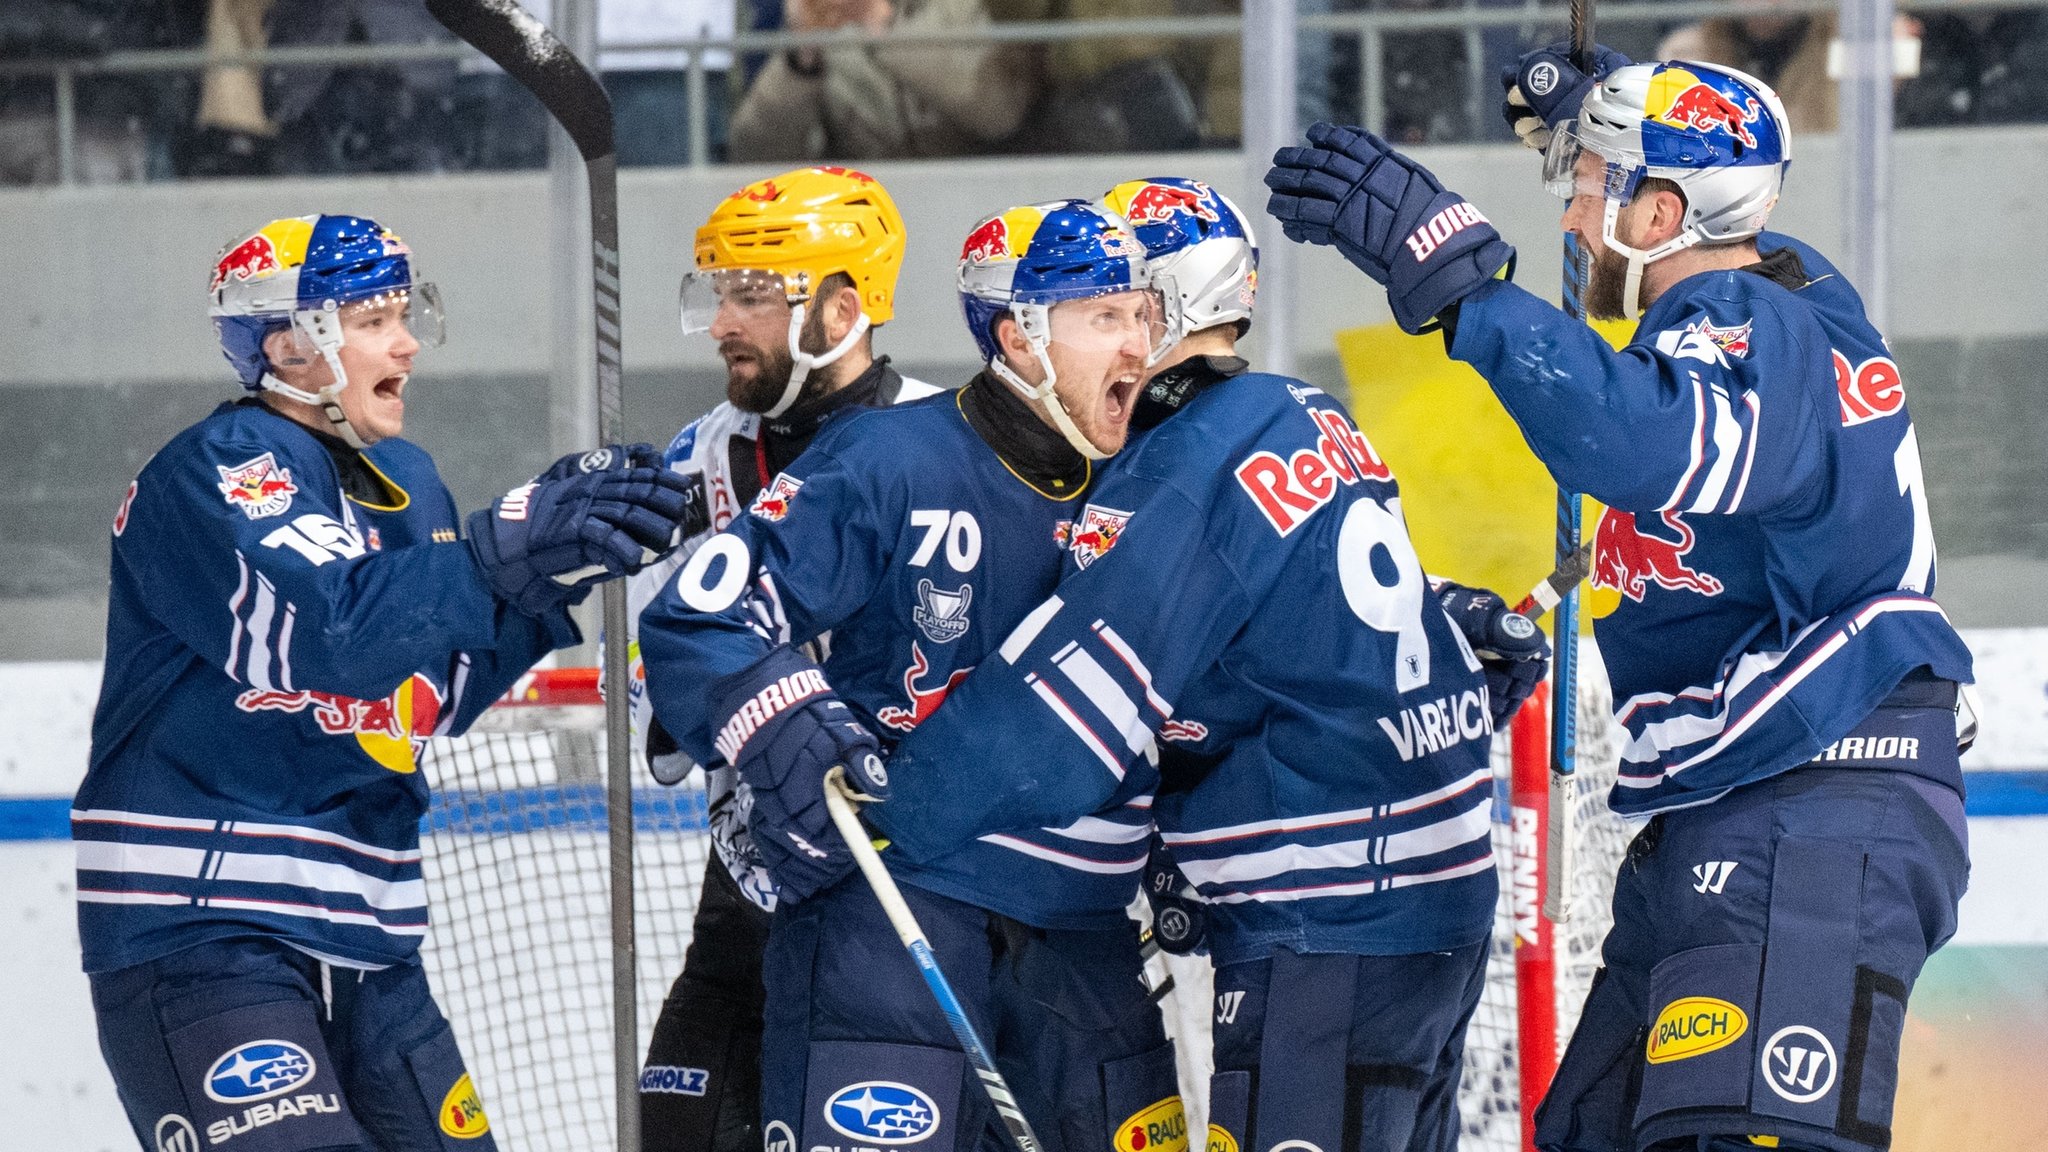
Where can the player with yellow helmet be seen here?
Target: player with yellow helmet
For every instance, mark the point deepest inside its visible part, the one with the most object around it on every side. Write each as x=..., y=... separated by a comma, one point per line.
x=791, y=275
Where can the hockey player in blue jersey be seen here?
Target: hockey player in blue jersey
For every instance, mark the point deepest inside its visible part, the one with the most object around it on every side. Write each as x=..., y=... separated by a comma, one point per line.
x=919, y=535
x=791, y=274
x=292, y=610
x=1786, y=687
x=1245, y=626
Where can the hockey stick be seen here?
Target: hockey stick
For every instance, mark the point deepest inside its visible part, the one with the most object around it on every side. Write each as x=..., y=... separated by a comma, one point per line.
x=1564, y=696
x=1552, y=590
x=532, y=55
x=839, y=797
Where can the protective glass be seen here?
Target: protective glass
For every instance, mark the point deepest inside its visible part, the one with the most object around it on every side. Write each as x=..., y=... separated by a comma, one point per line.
x=418, y=308
x=1566, y=178
x=754, y=292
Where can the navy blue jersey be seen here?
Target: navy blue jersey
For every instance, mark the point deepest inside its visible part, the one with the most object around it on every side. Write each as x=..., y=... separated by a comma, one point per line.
x=906, y=537
x=275, y=651
x=1243, y=609
x=1766, y=559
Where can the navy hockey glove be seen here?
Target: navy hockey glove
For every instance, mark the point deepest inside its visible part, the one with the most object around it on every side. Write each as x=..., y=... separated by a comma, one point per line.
x=545, y=543
x=1179, y=921
x=1388, y=215
x=785, y=729
x=603, y=459
x=1544, y=89
x=1512, y=650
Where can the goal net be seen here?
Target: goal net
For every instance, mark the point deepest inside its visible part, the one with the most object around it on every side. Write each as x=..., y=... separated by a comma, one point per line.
x=520, y=952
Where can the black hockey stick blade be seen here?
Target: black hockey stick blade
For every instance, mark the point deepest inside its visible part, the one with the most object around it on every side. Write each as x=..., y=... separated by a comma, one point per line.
x=534, y=56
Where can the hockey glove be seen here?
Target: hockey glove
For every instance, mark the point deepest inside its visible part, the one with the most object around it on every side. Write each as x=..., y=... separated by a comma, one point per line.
x=1389, y=216
x=785, y=729
x=545, y=543
x=1179, y=921
x=603, y=459
x=1545, y=89
x=1513, y=652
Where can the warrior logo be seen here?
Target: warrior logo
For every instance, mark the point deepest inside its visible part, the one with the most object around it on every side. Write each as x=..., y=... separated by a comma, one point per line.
x=1629, y=560
x=773, y=502
x=1799, y=1064
x=923, y=701
x=942, y=616
x=1097, y=533
x=258, y=487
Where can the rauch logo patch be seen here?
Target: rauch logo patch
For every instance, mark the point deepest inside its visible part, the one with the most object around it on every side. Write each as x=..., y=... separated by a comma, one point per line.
x=1161, y=1127
x=462, y=1111
x=1694, y=1026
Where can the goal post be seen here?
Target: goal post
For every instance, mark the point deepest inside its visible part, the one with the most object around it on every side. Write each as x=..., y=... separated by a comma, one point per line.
x=516, y=849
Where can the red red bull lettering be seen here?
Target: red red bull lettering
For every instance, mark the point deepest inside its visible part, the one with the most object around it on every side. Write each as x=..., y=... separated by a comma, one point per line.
x=1870, y=391
x=1097, y=533
x=252, y=258
x=258, y=487
x=1703, y=108
x=1629, y=560
x=772, y=504
x=1156, y=203
x=398, y=719
x=991, y=241
x=923, y=701
x=1289, y=491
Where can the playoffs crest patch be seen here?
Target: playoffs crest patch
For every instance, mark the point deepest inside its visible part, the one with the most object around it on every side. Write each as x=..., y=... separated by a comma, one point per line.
x=258, y=487
x=942, y=615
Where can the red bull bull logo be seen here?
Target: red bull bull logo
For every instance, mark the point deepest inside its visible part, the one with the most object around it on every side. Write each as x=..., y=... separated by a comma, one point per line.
x=772, y=504
x=1629, y=560
x=923, y=701
x=989, y=241
x=389, y=729
x=1097, y=533
x=258, y=487
x=763, y=193
x=1157, y=203
x=252, y=259
x=1703, y=108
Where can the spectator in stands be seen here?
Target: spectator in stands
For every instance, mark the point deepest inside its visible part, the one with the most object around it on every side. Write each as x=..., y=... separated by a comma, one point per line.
x=1979, y=68
x=232, y=136
x=1788, y=52
x=1131, y=93
x=866, y=101
x=386, y=118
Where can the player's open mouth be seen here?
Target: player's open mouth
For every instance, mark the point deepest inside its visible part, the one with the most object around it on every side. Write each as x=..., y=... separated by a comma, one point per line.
x=391, y=387
x=1123, y=392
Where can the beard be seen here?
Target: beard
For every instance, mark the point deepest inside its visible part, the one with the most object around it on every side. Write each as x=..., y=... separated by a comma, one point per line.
x=1603, y=292
x=756, y=381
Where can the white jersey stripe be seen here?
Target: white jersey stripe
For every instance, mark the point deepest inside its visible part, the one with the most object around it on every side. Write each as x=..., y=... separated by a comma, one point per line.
x=315, y=912
x=1028, y=629
x=235, y=616
x=1697, y=447
x=1333, y=819
x=100, y=896
x=1096, y=830
x=1756, y=431
x=1064, y=859
x=1727, y=444
x=258, y=665
x=147, y=859
x=1129, y=656
x=140, y=819
x=264, y=868
x=1356, y=887
x=1075, y=725
x=318, y=836
x=1475, y=823
x=1102, y=691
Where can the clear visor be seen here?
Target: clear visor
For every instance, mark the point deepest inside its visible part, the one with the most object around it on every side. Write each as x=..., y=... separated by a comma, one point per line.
x=1132, y=323
x=415, y=310
x=1572, y=168
x=753, y=293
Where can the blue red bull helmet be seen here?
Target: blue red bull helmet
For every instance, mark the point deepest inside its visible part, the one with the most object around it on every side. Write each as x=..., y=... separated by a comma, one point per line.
x=1721, y=135
x=298, y=273
x=1023, y=261
x=1196, y=237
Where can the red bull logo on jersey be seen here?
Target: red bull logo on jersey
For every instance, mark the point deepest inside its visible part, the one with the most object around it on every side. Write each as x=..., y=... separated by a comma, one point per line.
x=1732, y=341
x=923, y=701
x=1693, y=103
x=1157, y=203
x=390, y=730
x=252, y=259
x=1287, y=492
x=1096, y=533
x=1184, y=731
x=772, y=503
x=258, y=487
x=1629, y=560
x=1870, y=391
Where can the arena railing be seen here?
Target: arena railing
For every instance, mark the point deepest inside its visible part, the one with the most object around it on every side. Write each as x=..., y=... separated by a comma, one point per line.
x=1368, y=28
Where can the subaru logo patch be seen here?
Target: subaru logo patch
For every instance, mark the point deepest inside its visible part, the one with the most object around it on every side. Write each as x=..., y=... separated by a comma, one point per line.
x=258, y=1070
x=882, y=1110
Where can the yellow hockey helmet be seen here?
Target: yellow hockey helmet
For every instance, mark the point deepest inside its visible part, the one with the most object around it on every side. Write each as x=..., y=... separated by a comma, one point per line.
x=805, y=225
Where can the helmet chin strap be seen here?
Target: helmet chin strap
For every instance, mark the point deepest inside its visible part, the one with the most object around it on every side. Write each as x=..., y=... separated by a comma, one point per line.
x=1638, y=259
x=801, y=362
x=1042, y=395
x=323, y=329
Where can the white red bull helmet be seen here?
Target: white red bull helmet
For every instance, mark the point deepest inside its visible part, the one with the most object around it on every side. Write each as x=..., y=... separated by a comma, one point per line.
x=1721, y=135
x=298, y=273
x=1194, y=236
x=1023, y=261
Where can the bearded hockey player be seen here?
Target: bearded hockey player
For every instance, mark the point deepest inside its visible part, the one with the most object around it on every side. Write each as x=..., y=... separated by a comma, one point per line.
x=1244, y=616
x=919, y=535
x=792, y=274
x=291, y=613
x=1787, y=688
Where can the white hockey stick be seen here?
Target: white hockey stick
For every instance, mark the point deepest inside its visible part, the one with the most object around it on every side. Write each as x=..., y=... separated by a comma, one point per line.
x=839, y=799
